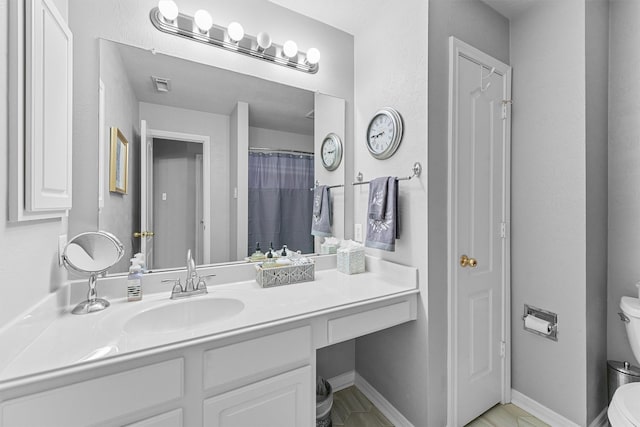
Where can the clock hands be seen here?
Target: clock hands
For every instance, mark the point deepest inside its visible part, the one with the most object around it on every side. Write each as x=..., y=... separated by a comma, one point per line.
x=378, y=135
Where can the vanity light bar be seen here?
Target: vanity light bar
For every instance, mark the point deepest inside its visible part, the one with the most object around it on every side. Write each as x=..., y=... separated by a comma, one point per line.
x=185, y=26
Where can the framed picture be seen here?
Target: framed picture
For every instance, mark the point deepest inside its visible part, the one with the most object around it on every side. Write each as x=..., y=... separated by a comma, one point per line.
x=118, y=162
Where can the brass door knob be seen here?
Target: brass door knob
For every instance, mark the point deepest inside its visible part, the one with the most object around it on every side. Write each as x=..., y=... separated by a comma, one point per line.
x=143, y=234
x=465, y=261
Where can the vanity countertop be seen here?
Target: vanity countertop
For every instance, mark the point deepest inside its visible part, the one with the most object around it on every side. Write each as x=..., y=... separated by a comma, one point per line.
x=77, y=341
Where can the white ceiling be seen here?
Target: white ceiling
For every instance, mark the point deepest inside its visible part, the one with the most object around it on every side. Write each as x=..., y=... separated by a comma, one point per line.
x=510, y=8
x=346, y=14
x=205, y=88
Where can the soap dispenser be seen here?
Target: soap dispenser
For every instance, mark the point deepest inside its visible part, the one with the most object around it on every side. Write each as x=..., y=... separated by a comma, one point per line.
x=257, y=255
x=134, y=281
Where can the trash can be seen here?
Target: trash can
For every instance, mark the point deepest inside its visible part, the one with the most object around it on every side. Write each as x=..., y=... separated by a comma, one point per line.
x=324, y=402
x=620, y=373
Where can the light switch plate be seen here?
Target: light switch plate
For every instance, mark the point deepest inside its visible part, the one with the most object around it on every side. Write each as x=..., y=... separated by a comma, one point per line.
x=62, y=241
x=358, y=233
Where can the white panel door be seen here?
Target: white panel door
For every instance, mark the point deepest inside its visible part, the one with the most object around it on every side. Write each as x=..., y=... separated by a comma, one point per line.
x=281, y=401
x=48, y=108
x=478, y=246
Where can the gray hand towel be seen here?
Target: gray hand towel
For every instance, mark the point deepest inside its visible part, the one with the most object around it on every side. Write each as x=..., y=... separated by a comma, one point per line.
x=382, y=229
x=321, y=218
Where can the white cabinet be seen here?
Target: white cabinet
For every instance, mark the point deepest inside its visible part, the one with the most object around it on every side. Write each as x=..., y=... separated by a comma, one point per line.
x=281, y=401
x=40, y=106
x=169, y=419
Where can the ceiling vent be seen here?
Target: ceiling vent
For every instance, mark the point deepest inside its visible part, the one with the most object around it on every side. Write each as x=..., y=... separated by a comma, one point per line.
x=161, y=84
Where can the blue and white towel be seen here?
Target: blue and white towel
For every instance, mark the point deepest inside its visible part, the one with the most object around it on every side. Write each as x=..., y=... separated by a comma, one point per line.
x=382, y=215
x=321, y=220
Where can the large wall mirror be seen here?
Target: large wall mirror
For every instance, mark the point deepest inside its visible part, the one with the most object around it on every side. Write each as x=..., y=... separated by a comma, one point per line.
x=193, y=130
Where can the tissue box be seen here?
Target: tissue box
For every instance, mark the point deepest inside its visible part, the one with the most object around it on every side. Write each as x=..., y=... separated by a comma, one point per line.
x=285, y=275
x=328, y=248
x=351, y=261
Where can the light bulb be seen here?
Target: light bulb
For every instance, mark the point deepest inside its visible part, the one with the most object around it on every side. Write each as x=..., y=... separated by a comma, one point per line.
x=168, y=9
x=313, y=56
x=235, y=31
x=203, y=20
x=290, y=49
x=264, y=41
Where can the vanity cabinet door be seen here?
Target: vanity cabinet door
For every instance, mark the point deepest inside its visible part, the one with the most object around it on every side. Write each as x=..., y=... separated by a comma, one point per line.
x=40, y=111
x=282, y=401
x=48, y=109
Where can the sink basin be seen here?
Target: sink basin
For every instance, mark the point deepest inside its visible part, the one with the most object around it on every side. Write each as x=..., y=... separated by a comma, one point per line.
x=182, y=315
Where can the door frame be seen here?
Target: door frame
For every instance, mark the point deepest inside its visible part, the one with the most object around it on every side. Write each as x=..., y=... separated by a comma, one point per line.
x=459, y=48
x=205, y=140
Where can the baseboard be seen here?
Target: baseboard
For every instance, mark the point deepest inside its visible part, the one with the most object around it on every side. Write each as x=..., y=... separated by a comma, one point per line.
x=389, y=411
x=601, y=420
x=540, y=411
x=342, y=381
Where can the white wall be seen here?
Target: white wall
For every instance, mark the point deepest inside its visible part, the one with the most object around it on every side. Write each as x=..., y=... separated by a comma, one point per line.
x=28, y=251
x=624, y=169
x=216, y=127
x=549, y=203
x=475, y=23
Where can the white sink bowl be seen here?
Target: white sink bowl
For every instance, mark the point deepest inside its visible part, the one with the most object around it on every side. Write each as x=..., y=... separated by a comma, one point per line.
x=183, y=314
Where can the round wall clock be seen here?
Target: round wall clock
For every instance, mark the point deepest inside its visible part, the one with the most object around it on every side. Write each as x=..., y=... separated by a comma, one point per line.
x=331, y=151
x=384, y=133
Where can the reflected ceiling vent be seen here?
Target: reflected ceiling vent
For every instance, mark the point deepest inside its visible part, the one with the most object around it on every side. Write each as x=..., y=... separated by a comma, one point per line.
x=161, y=84
x=311, y=114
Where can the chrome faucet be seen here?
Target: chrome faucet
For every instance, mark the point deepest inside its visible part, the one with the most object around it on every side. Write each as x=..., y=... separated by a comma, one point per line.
x=194, y=285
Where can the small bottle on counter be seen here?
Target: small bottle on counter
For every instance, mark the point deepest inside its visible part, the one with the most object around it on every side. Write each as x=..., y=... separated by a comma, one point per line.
x=134, y=281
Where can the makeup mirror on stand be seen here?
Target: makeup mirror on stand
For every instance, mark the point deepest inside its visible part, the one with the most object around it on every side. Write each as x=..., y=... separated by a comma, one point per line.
x=92, y=253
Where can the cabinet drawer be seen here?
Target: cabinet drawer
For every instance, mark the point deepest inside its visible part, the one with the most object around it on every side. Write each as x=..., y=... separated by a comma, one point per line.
x=98, y=400
x=168, y=419
x=354, y=325
x=285, y=400
x=250, y=360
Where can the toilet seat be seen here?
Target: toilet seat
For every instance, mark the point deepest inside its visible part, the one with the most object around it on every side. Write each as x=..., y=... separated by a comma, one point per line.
x=624, y=410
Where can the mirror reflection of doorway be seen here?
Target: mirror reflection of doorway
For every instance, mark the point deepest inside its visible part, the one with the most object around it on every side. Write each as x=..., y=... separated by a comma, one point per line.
x=177, y=207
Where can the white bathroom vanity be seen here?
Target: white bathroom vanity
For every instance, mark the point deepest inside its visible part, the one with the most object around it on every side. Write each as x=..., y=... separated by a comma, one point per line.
x=161, y=362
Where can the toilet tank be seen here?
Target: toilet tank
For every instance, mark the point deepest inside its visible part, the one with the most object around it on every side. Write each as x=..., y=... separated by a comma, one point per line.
x=631, y=308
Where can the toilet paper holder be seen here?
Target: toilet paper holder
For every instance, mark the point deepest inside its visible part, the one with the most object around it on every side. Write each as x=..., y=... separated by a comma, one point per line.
x=545, y=315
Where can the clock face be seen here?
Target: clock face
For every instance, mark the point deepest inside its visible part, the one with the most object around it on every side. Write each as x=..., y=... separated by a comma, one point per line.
x=331, y=151
x=384, y=133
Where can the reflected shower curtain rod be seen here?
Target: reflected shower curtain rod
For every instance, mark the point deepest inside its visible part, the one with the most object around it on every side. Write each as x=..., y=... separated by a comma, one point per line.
x=279, y=150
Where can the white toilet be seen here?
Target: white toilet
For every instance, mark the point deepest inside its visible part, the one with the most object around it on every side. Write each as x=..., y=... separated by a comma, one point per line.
x=624, y=409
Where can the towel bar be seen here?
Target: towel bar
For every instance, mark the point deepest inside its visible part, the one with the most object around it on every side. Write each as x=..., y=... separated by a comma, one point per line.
x=328, y=186
x=417, y=170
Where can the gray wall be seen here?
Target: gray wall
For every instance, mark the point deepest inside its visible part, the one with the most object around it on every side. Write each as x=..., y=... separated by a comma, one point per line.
x=174, y=174
x=29, y=251
x=548, y=262
x=624, y=169
x=216, y=127
x=597, y=51
x=391, y=70
x=269, y=138
x=336, y=359
x=121, y=212
x=475, y=23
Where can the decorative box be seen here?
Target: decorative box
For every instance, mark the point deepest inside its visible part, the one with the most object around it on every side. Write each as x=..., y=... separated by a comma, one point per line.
x=328, y=248
x=351, y=261
x=284, y=275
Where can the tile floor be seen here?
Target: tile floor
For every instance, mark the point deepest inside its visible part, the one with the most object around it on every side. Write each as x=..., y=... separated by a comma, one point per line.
x=352, y=409
x=506, y=416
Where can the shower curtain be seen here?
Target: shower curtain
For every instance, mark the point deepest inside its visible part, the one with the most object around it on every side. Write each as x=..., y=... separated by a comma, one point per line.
x=280, y=202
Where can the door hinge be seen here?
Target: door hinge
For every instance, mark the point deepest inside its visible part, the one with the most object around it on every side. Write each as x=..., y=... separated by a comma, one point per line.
x=505, y=102
x=503, y=230
x=503, y=349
